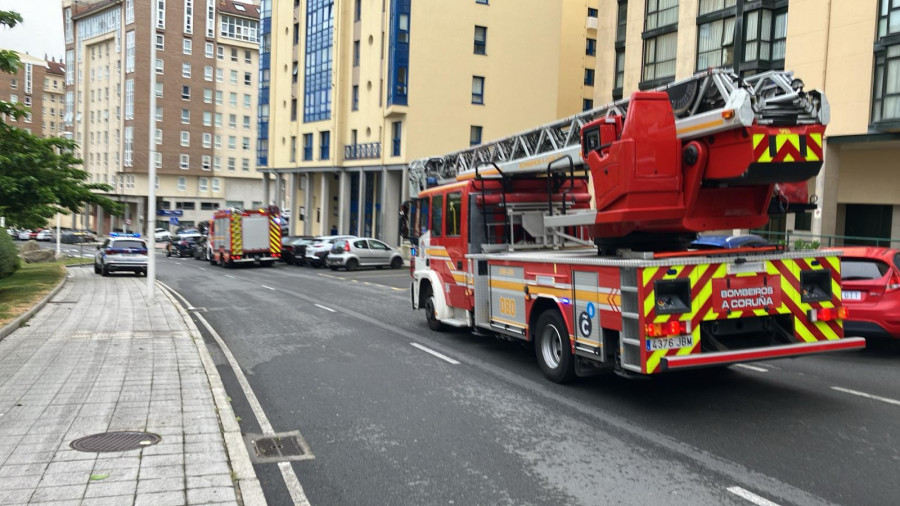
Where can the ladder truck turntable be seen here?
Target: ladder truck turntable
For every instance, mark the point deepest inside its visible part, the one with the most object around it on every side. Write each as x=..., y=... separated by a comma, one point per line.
x=573, y=236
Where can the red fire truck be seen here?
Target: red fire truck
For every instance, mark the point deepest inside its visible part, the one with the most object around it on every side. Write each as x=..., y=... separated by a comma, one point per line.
x=574, y=236
x=245, y=235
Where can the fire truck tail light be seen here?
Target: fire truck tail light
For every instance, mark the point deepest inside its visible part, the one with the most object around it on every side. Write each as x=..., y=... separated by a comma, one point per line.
x=827, y=314
x=672, y=328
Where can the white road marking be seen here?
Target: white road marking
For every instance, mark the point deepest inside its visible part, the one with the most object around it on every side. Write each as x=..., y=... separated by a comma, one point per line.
x=436, y=354
x=287, y=472
x=202, y=268
x=867, y=396
x=230, y=276
x=751, y=367
x=750, y=496
x=326, y=308
x=267, y=287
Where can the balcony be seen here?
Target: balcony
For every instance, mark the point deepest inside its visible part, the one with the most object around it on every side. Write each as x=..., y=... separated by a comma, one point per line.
x=362, y=151
x=591, y=23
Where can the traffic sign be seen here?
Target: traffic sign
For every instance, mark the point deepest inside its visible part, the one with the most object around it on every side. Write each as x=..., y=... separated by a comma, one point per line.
x=173, y=221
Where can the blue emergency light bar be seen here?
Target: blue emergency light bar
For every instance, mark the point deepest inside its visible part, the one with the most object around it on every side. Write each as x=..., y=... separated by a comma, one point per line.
x=117, y=234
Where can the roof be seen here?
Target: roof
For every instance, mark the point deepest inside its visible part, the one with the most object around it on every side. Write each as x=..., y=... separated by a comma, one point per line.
x=238, y=9
x=55, y=67
x=82, y=9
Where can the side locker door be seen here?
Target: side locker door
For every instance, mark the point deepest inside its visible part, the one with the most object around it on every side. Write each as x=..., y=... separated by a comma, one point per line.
x=508, y=298
x=586, y=315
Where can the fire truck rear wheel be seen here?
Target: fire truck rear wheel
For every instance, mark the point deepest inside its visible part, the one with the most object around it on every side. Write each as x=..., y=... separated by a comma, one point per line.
x=554, y=354
x=431, y=310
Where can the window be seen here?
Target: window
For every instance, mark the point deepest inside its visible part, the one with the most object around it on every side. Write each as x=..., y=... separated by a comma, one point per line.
x=216, y=186
x=307, y=147
x=475, y=135
x=396, y=134
x=234, y=57
x=186, y=92
x=157, y=135
x=660, y=13
x=184, y=162
x=659, y=57
x=248, y=78
x=592, y=13
x=188, y=17
x=160, y=42
x=403, y=25
x=356, y=53
x=233, y=77
x=231, y=163
x=245, y=164
x=159, y=90
x=217, y=164
x=248, y=56
x=129, y=146
x=454, y=214
x=245, y=143
x=619, y=74
x=232, y=142
x=477, y=90
x=317, y=80
x=764, y=40
x=217, y=139
x=203, y=184
x=485, y=2
x=232, y=99
x=218, y=97
x=129, y=99
x=208, y=73
x=589, y=77
x=246, y=122
x=357, y=10
x=324, y=145
x=247, y=100
x=206, y=163
x=158, y=162
x=590, y=47
x=186, y=116
x=715, y=44
x=207, y=96
x=207, y=140
x=209, y=48
x=232, y=120
x=129, y=52
x=185, y=138
x=240, y=28
x=220, y=75
x=187, y=46
x=220, y=52
x=437, y=211
x=159, y=66
x=217, y=121
x=480, y=39
x=186, y=70
x=182, y=184
x=886, y=96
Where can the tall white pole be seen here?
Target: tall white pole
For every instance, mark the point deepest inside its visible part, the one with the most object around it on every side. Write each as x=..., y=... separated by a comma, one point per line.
x=57, y=233
x=151, y=163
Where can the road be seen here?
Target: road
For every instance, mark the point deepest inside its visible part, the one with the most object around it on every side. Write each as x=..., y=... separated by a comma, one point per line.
x=342, y=359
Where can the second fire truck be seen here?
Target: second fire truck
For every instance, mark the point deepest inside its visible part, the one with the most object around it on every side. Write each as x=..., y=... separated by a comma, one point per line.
x=245, y=236
x=508, y=233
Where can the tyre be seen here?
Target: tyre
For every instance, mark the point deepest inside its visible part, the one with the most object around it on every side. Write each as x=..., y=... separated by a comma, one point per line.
x=96, y=268
x=333, y=267
x=352, y=264
x=551, y=345
x=104, y=270
x=396, y=263
x=430, y=311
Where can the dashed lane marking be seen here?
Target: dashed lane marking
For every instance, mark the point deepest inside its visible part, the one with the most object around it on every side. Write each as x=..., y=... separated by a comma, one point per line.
x=750, y=496
x=230, y=276
x=326, y=308
x=435, y=353
x=267, y=287
x=867, y=396
x=751, y=367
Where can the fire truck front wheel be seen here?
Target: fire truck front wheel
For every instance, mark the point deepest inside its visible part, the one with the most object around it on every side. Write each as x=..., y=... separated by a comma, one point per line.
x=431, y=309
x=554, y=355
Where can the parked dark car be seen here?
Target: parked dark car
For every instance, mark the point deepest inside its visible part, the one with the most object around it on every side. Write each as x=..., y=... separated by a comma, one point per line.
x=182, y=245
x=199, y=249
x=294, y=249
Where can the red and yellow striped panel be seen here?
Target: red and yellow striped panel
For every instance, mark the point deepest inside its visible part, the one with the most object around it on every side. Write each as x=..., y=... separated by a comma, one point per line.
x=274, y=236
x=237, y=244
x=702, y=309
x=786, y=147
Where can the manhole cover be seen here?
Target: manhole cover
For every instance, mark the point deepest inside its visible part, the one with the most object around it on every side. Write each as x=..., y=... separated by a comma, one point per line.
x=115, y=441
x=280, y=447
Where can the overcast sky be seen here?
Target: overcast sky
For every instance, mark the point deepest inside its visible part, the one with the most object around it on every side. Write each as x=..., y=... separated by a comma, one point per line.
x=41, y=30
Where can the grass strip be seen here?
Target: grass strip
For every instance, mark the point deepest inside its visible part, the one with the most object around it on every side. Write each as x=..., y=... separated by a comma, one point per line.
x=21, y=291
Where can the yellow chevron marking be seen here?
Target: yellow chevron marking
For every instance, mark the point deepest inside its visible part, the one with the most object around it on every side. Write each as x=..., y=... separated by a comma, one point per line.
x=648, y=274
x=765, y=157
x=803, y=332
x=758, y=138
x=653, y=360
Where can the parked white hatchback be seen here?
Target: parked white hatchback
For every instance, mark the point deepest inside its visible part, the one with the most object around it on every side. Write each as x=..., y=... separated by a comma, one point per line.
x=44, y=235
x=363, y=252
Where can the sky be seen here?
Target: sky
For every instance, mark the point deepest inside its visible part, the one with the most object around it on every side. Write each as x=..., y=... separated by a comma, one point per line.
x=41, y=29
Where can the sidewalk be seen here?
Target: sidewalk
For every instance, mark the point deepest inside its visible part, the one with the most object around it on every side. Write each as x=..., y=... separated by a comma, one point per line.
x=98, y=359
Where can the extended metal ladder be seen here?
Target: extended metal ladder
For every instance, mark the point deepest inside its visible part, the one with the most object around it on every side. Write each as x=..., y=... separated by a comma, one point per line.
x=772, y=98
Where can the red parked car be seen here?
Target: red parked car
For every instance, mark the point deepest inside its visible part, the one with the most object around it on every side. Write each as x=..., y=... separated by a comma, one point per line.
x=871, y=291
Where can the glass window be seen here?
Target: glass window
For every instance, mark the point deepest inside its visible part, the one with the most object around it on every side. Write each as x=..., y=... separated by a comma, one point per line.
x=454, y=213
x=889, y=18
x=477, y=90
x=661, y=13
x=480, y=39
x=590, y=48
x=886, y=96
x=715, y=44
x=318, y=65
x=396, y=133
x=437, y=213
x=589, y=77
x=475, y=135
x=324, y=145
x=587, y=104
x=659, y=56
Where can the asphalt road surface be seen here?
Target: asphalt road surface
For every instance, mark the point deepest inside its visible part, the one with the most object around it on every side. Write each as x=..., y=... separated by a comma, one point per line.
x=394, y=413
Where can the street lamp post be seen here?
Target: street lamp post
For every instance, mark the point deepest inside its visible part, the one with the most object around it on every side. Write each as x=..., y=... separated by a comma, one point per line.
x=151, y=164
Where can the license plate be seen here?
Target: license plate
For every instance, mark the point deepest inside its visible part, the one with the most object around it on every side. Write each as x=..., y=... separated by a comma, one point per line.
x=851, y=295
x=670, y=343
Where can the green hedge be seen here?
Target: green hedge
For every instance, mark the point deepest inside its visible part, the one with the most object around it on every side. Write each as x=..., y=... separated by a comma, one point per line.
x=9, y=255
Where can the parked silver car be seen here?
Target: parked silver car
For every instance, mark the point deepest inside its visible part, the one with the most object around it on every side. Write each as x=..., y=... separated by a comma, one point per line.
x=363, y=252
x=317, y=252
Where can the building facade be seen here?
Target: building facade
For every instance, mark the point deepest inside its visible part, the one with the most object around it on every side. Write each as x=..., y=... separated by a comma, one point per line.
x=39, y=85
x=352, y=90
x=195, y=54
x=848, y=48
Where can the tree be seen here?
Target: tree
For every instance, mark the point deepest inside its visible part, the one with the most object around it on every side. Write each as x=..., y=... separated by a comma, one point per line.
x=40, y=177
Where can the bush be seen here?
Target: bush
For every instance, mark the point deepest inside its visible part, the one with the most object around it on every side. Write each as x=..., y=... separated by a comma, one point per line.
x=9, y=255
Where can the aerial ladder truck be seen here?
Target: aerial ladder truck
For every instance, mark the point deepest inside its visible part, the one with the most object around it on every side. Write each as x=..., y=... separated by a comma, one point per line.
x=574, y=236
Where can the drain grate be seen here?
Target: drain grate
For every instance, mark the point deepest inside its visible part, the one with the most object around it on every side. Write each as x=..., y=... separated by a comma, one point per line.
x=115, y=441
x=279, y=447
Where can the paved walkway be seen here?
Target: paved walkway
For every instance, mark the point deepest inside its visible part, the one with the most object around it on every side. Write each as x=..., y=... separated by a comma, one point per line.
x=98, y=359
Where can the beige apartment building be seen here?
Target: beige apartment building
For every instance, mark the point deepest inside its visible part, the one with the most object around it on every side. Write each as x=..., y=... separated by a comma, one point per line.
x=204, y=73
x=38, y=85
x=352, y=90
x=849, y=48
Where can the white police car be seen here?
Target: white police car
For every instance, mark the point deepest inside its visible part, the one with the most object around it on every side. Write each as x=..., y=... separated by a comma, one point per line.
x=121, y=252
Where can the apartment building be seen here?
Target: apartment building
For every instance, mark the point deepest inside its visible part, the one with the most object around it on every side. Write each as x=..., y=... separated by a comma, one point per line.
x=38, y=85
x=849, y=48
x=352, y=90
x=114, y=51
